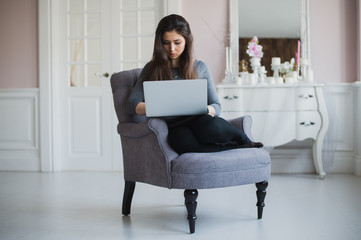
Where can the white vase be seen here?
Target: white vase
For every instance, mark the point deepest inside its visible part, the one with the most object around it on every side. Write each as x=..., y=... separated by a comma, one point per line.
x=255, y=65
x=255, y=62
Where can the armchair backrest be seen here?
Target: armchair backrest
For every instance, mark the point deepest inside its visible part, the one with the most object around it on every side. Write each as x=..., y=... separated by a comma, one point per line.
x=122, y=84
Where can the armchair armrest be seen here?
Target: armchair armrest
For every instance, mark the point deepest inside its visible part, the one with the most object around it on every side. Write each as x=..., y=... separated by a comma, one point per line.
x=160, y=128
x=153, y=125
x=145, y=147
x=134, y=130
x=245, y=124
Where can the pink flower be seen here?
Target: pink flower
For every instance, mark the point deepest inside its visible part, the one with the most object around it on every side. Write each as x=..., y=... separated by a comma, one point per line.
x=255, y=39
x=254, y=50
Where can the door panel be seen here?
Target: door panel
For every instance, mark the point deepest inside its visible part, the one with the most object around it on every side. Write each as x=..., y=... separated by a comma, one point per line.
x=135, y=23
x=85, y=126
x=98, y=37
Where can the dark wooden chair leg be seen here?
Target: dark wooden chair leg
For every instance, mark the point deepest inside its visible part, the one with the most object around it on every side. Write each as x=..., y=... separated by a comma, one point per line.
x=261, y=194
x=191, y=204
x=127, y=197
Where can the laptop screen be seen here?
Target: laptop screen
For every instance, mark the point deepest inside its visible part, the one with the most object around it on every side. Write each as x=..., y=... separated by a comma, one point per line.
x=175, y=97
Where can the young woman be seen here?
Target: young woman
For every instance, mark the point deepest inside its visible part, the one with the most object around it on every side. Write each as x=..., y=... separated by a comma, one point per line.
x=173, y=59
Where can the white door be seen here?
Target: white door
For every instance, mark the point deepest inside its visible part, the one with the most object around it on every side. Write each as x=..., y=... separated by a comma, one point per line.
x=98, y=38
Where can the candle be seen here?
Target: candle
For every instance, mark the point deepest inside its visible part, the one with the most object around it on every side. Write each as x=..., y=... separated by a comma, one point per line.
x=279, y=80
x=230, y=59
x=298, y=53
x=304, y=61
x=271, y=80
x=227, y=59
x=310, y=75
x=297, y=61
x=262, y=69
x=276, y=61
x=293, y=74
x=289, y=80
x=252, y=79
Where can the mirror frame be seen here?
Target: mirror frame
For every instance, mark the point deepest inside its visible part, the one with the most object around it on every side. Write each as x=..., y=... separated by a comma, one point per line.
x=233, y=33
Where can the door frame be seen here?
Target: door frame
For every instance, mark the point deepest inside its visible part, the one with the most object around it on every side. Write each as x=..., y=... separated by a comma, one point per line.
x=49, y=108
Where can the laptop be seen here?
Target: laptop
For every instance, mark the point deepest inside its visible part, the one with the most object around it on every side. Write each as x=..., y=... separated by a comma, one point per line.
x=175, y=97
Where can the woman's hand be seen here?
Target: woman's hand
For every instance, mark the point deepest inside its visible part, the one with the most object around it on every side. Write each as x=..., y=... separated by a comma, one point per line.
x=140, y=109
x=211, y=110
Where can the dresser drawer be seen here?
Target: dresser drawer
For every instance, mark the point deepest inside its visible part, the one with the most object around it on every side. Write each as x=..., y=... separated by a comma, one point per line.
x=265, y=99
x=268, y=99
x=306, y=98
x=260, y=99
x=308, y=124
x=231, y=99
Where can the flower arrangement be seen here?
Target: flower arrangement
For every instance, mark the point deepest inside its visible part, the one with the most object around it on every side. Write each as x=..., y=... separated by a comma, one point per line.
x=253, y=49
x=287, y=66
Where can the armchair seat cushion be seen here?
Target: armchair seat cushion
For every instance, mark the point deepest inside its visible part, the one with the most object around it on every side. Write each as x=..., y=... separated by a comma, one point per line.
x=220, y=169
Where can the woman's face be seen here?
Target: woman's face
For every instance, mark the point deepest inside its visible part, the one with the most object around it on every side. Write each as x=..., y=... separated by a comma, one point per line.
x=173, y=44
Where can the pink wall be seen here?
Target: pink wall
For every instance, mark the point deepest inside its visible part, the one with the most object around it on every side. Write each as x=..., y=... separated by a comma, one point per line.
x=18, y=44
x=333, y=39
x=333, y=25
x=208, y=20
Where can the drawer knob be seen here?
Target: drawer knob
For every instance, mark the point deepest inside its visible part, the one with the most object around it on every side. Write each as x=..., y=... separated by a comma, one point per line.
x=230, y=97
x=307, y=123
x=306, y=96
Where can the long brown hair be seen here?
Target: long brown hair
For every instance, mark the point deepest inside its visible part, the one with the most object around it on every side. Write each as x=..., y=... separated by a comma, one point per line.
x=160, y=65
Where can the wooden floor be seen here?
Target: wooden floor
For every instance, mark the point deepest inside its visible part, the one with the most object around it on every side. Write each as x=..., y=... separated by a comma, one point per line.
x=73, y=205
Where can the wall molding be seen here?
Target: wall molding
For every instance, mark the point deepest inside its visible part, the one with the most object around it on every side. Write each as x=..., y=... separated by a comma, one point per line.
x=340, y=153
x=19, y=128
x=357, y=126
x=357, y=166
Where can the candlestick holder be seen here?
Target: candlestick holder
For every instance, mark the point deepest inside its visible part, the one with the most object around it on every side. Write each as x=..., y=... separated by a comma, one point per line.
x=297, y=70
x=255, y=65
x=228, y=78
x=243, y=66
x=304, y=69
x=256, y=72
x=262, y=75
x=276, y=68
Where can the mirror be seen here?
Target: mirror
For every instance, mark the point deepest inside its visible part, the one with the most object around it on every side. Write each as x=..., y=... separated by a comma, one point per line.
x=287, y=23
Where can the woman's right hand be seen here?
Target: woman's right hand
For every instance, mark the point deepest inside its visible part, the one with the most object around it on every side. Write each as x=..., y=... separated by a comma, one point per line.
x=140, y=109
x=211, y=110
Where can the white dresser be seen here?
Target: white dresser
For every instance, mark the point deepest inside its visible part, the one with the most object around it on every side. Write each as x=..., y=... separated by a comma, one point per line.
x=280, y=113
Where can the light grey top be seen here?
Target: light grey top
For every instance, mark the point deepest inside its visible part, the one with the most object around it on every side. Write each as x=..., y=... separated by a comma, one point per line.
x=137, y=94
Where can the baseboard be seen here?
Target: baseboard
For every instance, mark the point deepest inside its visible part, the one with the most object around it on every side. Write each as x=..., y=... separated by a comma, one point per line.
x=15, y=160
x=300, y=160
x=292, y=161
x=357, y=169
x=338, y=161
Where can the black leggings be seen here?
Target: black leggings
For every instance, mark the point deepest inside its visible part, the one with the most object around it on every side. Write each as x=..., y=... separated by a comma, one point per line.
x=206, y=134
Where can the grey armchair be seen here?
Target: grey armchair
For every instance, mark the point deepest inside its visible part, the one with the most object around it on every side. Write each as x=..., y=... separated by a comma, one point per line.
x=148, y=158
